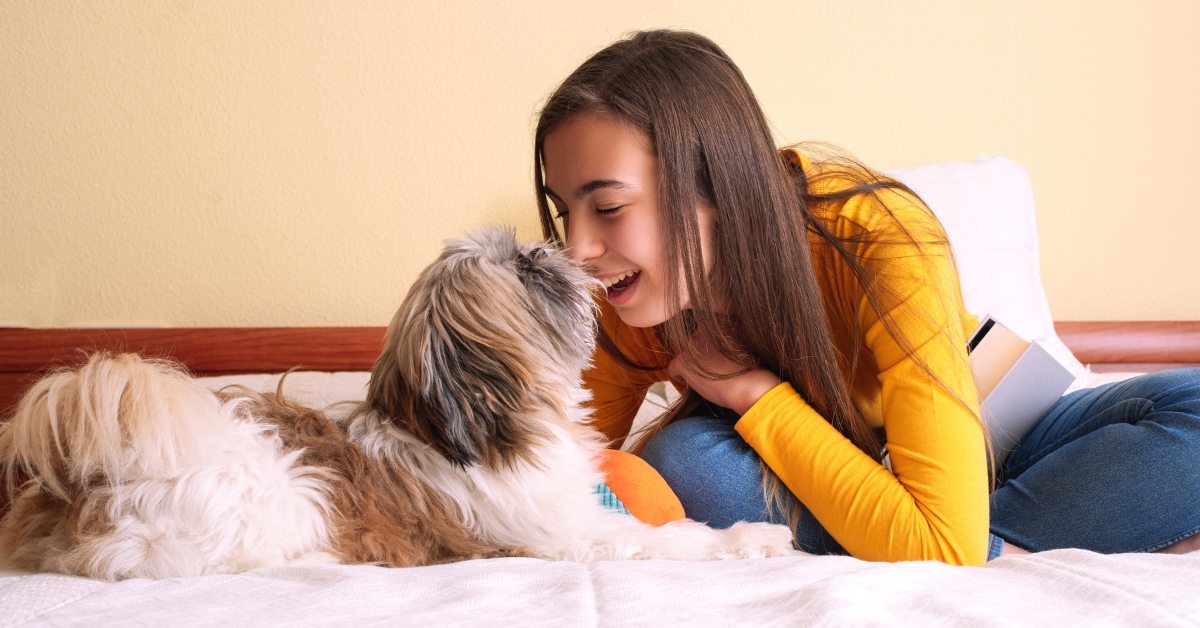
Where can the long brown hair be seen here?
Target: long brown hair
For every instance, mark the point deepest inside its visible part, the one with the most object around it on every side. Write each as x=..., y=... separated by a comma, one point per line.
x=714, y=146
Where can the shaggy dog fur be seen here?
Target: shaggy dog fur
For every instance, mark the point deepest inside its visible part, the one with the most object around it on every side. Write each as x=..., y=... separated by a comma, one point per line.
x=472, y=443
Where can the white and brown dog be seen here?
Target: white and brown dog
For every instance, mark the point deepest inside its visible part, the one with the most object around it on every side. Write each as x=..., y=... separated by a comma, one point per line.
x=472, y=443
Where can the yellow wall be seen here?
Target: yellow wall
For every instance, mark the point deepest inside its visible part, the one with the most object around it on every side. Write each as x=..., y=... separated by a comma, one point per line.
x=278, y=162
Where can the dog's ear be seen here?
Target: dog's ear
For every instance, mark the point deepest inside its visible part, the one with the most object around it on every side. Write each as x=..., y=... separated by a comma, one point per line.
x=557, y=295
x=388, y=391
x=473, y=403
x=454, y=371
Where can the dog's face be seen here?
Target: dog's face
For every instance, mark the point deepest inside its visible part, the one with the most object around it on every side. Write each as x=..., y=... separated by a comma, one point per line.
x=491, y=339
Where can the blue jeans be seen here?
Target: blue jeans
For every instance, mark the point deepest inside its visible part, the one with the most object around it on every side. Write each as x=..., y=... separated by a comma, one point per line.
x=1109, y=469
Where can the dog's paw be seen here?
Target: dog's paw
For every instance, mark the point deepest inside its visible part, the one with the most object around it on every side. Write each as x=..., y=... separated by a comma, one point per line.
x=758, y=540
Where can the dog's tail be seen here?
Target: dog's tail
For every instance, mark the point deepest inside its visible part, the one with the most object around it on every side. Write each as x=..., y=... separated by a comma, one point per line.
x=117, y=418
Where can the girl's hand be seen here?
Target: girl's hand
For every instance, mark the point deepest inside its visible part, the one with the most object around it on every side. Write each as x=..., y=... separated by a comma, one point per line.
x=736, y=393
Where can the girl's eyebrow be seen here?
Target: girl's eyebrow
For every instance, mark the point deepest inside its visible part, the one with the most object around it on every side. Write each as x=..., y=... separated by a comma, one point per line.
x=591, y=186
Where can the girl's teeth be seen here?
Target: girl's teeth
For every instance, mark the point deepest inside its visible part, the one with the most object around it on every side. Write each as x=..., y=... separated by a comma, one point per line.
x=608, y=283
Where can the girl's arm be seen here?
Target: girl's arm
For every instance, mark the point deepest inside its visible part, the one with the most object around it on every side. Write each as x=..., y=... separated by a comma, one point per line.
x=934, y=505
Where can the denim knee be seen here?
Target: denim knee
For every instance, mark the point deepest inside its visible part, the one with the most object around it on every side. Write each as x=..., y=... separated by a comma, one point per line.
x=1180, y=389
x=716, y=476
x=1175, y=385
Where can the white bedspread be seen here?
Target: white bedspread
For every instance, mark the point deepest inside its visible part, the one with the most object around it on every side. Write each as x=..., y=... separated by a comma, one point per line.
x=1066, y=587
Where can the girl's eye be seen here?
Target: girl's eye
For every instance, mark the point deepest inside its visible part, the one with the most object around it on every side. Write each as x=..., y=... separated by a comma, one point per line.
x=561, y=215
x=604, y=211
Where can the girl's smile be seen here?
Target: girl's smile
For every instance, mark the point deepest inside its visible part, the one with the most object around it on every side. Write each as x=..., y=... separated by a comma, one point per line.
x=620, y=288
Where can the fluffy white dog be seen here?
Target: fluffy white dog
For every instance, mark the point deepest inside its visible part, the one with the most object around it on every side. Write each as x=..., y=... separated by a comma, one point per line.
x=472, y=443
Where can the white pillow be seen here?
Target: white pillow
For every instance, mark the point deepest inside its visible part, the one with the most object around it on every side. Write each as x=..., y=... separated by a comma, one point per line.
x=986, y=207
x=315, y=389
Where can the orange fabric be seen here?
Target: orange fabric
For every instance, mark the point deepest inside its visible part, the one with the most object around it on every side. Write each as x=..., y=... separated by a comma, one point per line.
x=640, y=488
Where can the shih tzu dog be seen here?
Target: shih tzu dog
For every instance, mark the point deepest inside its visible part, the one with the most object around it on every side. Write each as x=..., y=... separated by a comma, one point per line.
x=472, y=442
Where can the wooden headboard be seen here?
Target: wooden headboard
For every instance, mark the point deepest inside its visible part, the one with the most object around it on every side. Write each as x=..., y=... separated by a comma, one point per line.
x=27, y=353
x=1140, y=346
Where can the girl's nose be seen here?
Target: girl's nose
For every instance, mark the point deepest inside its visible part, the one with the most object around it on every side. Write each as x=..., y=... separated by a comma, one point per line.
x=584, y=243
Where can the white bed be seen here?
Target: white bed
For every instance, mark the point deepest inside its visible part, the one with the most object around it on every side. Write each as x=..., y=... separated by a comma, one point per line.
x=987, y=208
x=1065, y=587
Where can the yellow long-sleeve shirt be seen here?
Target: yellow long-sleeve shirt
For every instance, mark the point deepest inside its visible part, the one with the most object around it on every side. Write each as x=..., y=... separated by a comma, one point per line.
x=934, y=502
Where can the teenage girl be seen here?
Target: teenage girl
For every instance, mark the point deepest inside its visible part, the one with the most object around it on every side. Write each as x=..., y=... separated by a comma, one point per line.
x=809, y=309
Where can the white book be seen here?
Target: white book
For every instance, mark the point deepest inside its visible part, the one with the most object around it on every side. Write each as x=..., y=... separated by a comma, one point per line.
x=1018, y=381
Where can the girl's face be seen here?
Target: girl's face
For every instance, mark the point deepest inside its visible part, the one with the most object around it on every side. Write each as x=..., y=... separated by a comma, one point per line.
x=602, y=178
